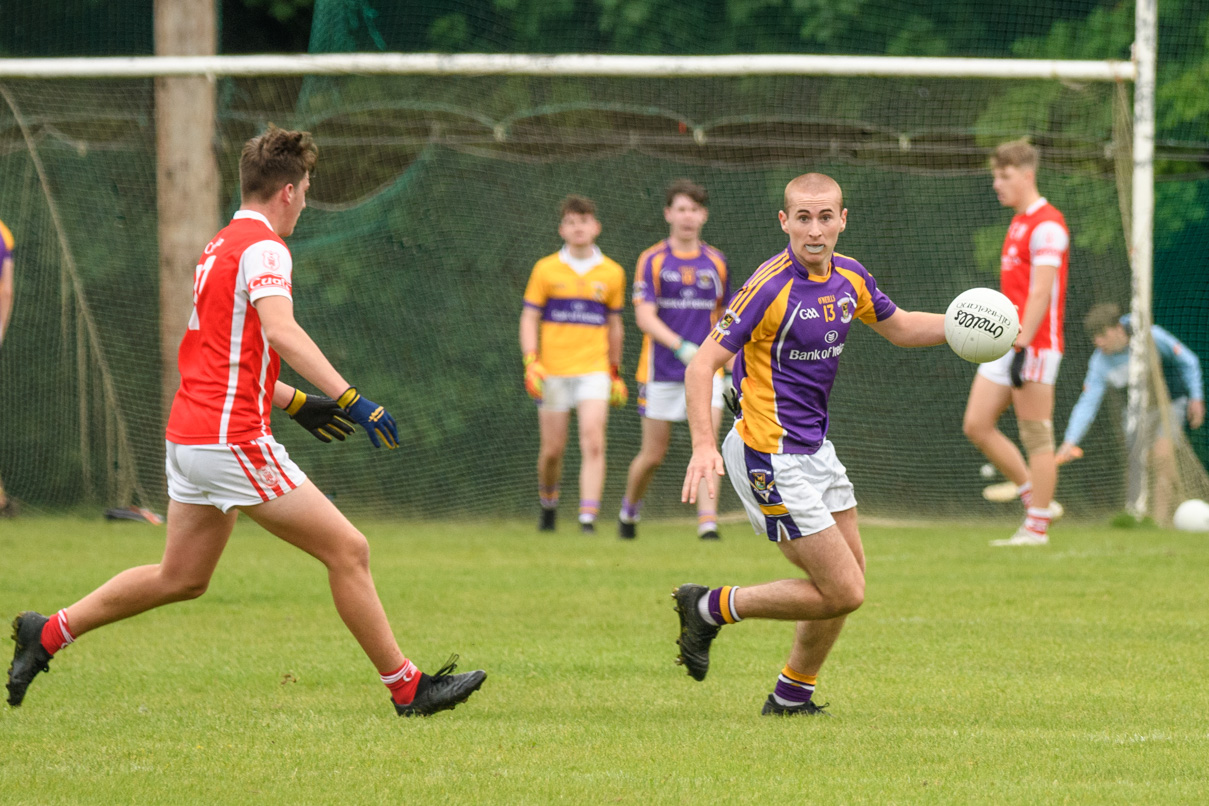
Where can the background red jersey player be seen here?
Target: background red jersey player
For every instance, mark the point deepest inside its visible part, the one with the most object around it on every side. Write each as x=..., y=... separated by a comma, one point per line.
x=1032, y=273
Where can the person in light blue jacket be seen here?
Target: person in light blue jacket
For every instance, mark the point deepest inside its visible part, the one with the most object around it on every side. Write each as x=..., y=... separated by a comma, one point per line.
x=1109, y=368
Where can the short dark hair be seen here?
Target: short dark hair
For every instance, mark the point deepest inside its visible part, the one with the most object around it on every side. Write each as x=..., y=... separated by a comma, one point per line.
x=576, y=204
x=687, y=187
x=273, y=159
x=1017, y=154
x=1102, y=317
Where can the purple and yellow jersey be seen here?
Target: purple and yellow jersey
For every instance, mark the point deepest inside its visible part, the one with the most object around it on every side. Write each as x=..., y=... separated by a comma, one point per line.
x=6, y=246
x=687, y=288
x=788, y=330
x=574, y=309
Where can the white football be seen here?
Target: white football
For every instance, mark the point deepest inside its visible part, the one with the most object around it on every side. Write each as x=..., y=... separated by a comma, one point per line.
x=1192, y=516
x=981, y=325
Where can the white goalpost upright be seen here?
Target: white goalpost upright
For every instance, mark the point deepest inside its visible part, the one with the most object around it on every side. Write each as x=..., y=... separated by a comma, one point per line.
x=1140, y=71
x=1145, y=58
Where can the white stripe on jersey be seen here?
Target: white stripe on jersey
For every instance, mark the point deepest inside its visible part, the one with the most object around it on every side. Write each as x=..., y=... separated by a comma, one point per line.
x=239, y=312
x=264, y=371
x=1053, y=312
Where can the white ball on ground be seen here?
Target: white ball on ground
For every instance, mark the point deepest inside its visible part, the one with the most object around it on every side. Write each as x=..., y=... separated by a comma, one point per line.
x=1192, y=516
x=987, y=471
x=981, y=325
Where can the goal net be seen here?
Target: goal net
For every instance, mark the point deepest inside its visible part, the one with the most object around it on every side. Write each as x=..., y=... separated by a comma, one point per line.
x=434, y=196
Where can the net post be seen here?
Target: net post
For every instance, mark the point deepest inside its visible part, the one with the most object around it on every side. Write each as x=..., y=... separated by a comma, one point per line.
x=1142, y=244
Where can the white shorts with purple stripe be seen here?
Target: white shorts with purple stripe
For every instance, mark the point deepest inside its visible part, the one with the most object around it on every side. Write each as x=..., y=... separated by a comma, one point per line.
x=788, y=495
x=664, y=400
x=231, y=475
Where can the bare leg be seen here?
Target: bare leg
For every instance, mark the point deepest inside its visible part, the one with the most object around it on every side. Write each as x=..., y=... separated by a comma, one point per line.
x=306, y=519
x=1035, y=401
x=655, y=437
x=553, y=429
x=197, y=536
x=593, y=415
x=835, y=585
x=813, y=639
x=988, y=401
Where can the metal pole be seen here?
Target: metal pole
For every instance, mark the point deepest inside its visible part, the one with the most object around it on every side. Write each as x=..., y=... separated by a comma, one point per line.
x=1145, y=50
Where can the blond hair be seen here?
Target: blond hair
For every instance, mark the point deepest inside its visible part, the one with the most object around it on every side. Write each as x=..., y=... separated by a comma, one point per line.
x=1017, y=154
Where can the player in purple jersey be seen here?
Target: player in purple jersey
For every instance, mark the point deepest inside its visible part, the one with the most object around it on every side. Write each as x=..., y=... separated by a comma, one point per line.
x=786, y=329
x=681, y=286
x=7, y=507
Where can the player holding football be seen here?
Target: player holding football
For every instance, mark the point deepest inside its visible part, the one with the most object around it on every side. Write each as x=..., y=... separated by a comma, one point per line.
x=680, y=288
x=1032, y=274
x=222, y=458
x=788, y=325
x=572, y=309
x=1107, y=368
x=7, y=507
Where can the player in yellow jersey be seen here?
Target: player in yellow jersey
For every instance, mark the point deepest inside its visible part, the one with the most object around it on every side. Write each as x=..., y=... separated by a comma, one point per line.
x=7, y=507
x=571, y=338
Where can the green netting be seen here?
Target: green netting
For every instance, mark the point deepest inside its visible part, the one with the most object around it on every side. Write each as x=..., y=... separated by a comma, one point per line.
x=435, y=196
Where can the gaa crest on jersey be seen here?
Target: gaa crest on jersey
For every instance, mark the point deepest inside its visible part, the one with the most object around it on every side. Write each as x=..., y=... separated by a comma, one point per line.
x=688, y=275
x=728, y=320
x=267, y=476
x=847, y=306
x=270, y=259
x=762, y=482
x=598, y=291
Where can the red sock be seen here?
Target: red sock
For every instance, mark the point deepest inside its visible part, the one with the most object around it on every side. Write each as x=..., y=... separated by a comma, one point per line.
x=402, y=682
x=55, y=634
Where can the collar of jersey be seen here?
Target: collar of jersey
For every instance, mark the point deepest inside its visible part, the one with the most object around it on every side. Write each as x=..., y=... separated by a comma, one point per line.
x=1035, y=206
x=581, y=266
x=254, y=215
x=804, y=272
x=685, y=255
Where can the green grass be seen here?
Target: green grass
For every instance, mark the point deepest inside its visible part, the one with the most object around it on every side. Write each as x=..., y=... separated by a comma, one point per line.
x=1068, y=674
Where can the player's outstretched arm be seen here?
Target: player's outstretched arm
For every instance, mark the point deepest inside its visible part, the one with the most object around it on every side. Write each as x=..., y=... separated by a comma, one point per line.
x=1190, y=370
x=706, y=463
x=912, y=328
x=318, y=414
x=298, y=350
x=1095, y=384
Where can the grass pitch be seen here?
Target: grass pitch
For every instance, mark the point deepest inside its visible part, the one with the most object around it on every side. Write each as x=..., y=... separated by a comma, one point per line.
x=1073, y=673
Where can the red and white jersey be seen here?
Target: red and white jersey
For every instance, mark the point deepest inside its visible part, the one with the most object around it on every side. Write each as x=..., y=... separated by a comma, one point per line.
x=228, y=371
x=1037, y=237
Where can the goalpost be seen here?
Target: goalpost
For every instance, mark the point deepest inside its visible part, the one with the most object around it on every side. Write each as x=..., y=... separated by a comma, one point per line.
x=629, y=105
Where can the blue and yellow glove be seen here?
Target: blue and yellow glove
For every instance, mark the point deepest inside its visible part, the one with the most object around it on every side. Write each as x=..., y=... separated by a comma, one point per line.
x=376, y=420
x=320, y=415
